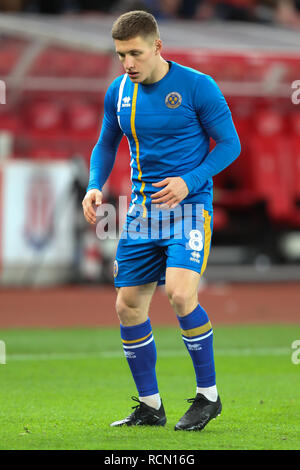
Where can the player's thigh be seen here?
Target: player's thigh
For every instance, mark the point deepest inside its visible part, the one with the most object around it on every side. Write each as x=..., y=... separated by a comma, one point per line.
x=133, y=302
x=138, y=262
x=186, y=262
x=182, y=289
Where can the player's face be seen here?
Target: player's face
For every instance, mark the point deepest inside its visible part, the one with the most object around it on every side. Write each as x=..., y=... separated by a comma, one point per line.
x=140, y=58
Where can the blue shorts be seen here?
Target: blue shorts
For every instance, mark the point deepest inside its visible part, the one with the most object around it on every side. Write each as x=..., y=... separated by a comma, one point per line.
x=143, y=256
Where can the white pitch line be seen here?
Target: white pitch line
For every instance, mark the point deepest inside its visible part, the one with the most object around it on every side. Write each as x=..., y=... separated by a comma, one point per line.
x=235, y=352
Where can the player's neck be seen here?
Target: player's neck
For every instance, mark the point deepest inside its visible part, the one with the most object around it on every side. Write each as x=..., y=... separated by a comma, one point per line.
x=159, y=72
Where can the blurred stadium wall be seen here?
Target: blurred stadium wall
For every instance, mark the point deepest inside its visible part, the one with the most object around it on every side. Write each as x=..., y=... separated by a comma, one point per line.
x=54, y=73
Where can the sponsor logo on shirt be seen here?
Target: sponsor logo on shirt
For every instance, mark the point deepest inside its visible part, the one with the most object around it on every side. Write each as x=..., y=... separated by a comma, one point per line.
x=126, y=102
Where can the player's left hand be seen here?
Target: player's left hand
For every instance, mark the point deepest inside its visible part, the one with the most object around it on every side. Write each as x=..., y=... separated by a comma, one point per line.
x=174, y=191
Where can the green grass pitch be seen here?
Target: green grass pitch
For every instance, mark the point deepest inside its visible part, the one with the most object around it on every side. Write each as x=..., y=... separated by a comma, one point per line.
x=60, y=389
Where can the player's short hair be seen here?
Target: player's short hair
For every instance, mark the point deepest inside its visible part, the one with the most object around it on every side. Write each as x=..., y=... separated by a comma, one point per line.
x=135, y=23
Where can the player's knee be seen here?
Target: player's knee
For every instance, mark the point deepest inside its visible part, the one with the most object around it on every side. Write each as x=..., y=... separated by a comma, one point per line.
x=127, y=310
x=180, y=299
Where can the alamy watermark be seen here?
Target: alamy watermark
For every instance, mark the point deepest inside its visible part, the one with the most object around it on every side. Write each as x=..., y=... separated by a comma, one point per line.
x=2, y=92
x=296, y=353
x=2, y=352
x=296, y=94
x=185, y=221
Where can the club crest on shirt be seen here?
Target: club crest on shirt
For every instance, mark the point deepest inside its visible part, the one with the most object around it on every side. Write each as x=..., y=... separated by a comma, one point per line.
x=173, y=100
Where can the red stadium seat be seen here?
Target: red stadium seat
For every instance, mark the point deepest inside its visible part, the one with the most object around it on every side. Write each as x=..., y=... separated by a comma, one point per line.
x=239, y=169
x=43, y=118
x=62, y=62
x=233, y=185
x=82, y=147
x=8, y=61
x=119, y=181
x=295, y=152
x=83, y=119
x=294, y=123
x=10, y=121
x=220, y=219
x=10, y=52
x=48, y=152
x=54, y=62
x=270, y=166
x=94, y=65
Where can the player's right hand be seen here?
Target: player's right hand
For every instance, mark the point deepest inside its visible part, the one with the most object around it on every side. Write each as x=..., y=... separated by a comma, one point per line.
x=91, y=201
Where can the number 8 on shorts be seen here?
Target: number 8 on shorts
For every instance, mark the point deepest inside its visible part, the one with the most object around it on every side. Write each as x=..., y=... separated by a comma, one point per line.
x=196, y=240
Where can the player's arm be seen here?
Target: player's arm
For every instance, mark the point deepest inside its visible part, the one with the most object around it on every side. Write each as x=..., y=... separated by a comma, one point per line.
x=102, y=160
x=215, y=117
x=227, y=149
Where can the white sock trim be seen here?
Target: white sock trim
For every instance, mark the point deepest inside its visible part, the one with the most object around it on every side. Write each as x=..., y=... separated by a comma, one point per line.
x=152, y=400
x=211, y=393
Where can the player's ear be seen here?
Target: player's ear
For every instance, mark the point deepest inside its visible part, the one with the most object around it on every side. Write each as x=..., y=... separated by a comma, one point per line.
x=158, y=46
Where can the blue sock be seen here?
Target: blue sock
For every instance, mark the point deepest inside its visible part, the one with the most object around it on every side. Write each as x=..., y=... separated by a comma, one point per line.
x=197, y=335
x=140, y=351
